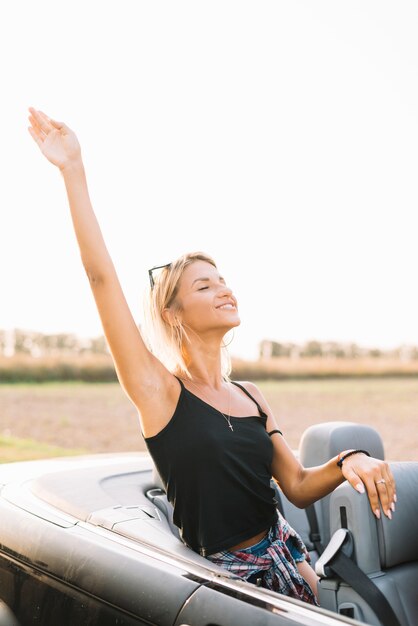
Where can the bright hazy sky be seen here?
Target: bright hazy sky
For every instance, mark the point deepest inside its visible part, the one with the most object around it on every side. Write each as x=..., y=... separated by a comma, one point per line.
x=280, y=137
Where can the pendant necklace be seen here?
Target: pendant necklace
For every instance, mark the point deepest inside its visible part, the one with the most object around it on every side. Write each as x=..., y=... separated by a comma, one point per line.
x=226, y=417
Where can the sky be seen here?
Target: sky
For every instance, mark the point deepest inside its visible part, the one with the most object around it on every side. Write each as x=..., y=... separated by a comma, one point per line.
x=279, y=137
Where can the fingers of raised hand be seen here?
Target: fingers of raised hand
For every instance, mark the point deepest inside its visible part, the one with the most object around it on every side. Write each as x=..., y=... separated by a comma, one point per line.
x=42, y=125
x=35, y=129
x=57, y=125
x=50, y=124
x=35, y=135
x=40, y=121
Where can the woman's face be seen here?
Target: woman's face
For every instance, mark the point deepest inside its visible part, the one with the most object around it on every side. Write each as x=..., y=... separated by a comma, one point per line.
x=206, y=304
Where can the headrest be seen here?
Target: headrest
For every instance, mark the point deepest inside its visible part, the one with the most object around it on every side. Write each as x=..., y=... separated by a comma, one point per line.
x=380, y=544
x=319, y=443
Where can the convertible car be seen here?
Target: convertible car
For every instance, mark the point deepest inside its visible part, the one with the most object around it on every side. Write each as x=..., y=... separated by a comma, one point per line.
x=90, y=541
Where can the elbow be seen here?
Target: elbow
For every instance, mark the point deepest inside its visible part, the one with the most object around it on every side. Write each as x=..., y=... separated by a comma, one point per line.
x=96, y=278
x=99, y=269
x=302, y=503
x=296, y=492
x=298, y=499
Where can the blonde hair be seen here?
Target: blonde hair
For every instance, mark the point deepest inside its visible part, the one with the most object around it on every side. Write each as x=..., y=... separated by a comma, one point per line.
x=167, y=341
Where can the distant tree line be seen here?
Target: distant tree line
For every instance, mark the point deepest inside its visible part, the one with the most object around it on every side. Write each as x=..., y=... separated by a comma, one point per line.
x=37, y=344
x=273, y=349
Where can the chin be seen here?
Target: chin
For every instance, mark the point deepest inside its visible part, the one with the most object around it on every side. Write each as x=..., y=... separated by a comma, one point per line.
x=235, y=323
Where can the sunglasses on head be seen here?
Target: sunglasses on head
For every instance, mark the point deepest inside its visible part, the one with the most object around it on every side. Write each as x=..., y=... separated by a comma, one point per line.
x=153, y=269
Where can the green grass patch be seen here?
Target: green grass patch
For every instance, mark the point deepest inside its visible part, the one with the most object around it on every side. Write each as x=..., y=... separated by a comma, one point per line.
x=15, y=449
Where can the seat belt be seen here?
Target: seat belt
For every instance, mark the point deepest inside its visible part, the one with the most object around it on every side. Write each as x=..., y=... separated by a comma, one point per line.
x=336, y=560
x=314, y=534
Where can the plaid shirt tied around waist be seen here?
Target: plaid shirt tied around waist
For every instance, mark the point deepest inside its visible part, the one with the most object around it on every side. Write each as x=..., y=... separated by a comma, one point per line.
x=274, y=560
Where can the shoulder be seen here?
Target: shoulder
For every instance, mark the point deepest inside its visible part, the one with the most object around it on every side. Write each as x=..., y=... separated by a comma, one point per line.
x=254, y=391
x=259, y=397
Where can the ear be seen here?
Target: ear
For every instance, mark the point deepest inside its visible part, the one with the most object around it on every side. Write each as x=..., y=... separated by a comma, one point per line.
x=170, y=317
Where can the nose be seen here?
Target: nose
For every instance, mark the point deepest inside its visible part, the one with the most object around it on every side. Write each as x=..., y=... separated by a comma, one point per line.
x=225, y=291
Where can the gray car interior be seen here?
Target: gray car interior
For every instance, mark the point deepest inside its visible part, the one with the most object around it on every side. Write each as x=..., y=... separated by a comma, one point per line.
x=386, y=550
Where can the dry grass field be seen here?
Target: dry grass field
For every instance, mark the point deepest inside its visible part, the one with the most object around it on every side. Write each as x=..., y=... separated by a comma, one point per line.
x=99, y=368
x=99, y=417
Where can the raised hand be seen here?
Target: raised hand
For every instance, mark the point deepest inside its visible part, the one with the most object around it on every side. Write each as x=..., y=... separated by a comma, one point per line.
x=57, y=142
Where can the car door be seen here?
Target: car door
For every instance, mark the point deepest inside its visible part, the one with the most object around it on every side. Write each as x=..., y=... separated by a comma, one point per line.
x=215, y=605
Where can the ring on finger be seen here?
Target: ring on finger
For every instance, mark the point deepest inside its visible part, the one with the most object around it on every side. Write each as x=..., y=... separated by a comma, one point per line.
x=382, y=480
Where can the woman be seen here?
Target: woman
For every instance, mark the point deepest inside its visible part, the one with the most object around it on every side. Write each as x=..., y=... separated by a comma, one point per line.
x=215, y=443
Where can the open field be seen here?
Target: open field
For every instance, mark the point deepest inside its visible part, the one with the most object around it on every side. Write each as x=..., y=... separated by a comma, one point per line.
x=286, y=368
x=99, y=417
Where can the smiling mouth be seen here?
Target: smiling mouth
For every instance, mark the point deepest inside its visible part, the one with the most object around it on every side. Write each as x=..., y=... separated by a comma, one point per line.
x=229, y=306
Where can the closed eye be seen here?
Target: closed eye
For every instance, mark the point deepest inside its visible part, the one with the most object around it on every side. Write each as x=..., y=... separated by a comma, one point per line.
x=202, y=288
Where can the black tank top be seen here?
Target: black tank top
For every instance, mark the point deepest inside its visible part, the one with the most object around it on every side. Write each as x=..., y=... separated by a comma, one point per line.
x=218, y=481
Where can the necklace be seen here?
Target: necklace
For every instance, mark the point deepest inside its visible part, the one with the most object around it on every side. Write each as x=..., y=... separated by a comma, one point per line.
x=226, y=417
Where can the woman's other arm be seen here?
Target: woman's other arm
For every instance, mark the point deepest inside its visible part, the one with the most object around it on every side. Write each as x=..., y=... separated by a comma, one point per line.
x=142, y=375
x=303, y=486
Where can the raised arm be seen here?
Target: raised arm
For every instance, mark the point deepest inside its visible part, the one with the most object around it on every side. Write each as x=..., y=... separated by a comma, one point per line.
x=143, y=377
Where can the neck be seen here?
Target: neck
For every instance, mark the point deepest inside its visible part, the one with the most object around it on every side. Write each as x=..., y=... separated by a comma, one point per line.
x=205, y=365
x=206, y=377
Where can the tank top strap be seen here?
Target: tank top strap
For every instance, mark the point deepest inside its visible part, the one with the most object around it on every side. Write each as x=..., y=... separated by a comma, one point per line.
x=181, y=382
x=260, y=410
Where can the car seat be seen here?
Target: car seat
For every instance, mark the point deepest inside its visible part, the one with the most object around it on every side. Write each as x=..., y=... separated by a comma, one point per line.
x=385, y=550
x=318, y=444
